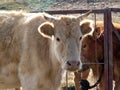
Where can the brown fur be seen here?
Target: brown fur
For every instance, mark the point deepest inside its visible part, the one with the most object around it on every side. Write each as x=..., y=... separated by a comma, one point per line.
x=88, y=53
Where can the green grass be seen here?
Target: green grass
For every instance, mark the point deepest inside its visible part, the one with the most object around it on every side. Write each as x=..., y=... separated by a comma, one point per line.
x=13, y=6
x=27, y=5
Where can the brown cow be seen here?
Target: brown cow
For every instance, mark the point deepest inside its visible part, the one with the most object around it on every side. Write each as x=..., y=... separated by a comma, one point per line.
x=36, y=47
x=88, y=52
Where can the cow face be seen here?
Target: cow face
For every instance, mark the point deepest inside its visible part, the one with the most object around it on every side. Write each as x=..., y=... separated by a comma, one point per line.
x=92, y=47
x=88, y=48
x=65, y=35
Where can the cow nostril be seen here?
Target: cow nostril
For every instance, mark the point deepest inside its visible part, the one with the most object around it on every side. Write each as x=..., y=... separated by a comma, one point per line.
x=78, y=63
x=68, y=62
x=73, y=63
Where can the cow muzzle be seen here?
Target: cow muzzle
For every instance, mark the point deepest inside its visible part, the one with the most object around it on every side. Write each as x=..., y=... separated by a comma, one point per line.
x=72, y=65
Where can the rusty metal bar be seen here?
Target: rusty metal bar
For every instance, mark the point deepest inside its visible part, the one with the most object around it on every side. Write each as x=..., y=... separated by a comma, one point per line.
x=98, y=11
x=110, y=50
x=106, y=50
x=115, y=9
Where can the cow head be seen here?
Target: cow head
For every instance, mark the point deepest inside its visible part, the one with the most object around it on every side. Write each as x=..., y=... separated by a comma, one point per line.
x=65, y=35
x=91, y=44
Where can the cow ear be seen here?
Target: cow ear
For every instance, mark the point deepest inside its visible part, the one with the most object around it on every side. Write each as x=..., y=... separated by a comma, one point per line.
x=46, y=30
x=86, y=27
x=97, y=33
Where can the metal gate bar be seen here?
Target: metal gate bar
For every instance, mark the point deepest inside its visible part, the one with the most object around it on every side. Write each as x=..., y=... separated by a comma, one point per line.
x=108, y=52
x=98, y=11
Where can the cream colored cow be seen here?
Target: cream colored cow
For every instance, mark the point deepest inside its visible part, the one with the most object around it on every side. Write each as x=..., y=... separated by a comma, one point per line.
x=35, y=48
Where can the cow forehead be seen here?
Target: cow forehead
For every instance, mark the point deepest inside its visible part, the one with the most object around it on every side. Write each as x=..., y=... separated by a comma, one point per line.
x=68, y=26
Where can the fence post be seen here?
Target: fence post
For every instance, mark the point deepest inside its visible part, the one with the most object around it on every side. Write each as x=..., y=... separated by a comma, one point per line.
x=108, y=52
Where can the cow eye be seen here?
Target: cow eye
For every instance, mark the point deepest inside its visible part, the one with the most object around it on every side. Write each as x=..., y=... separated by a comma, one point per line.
x=80, y=38
x=58, y=39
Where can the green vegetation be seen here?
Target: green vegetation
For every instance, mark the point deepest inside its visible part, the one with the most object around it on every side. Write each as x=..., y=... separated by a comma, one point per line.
x=13, y=6
x=40, y=5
